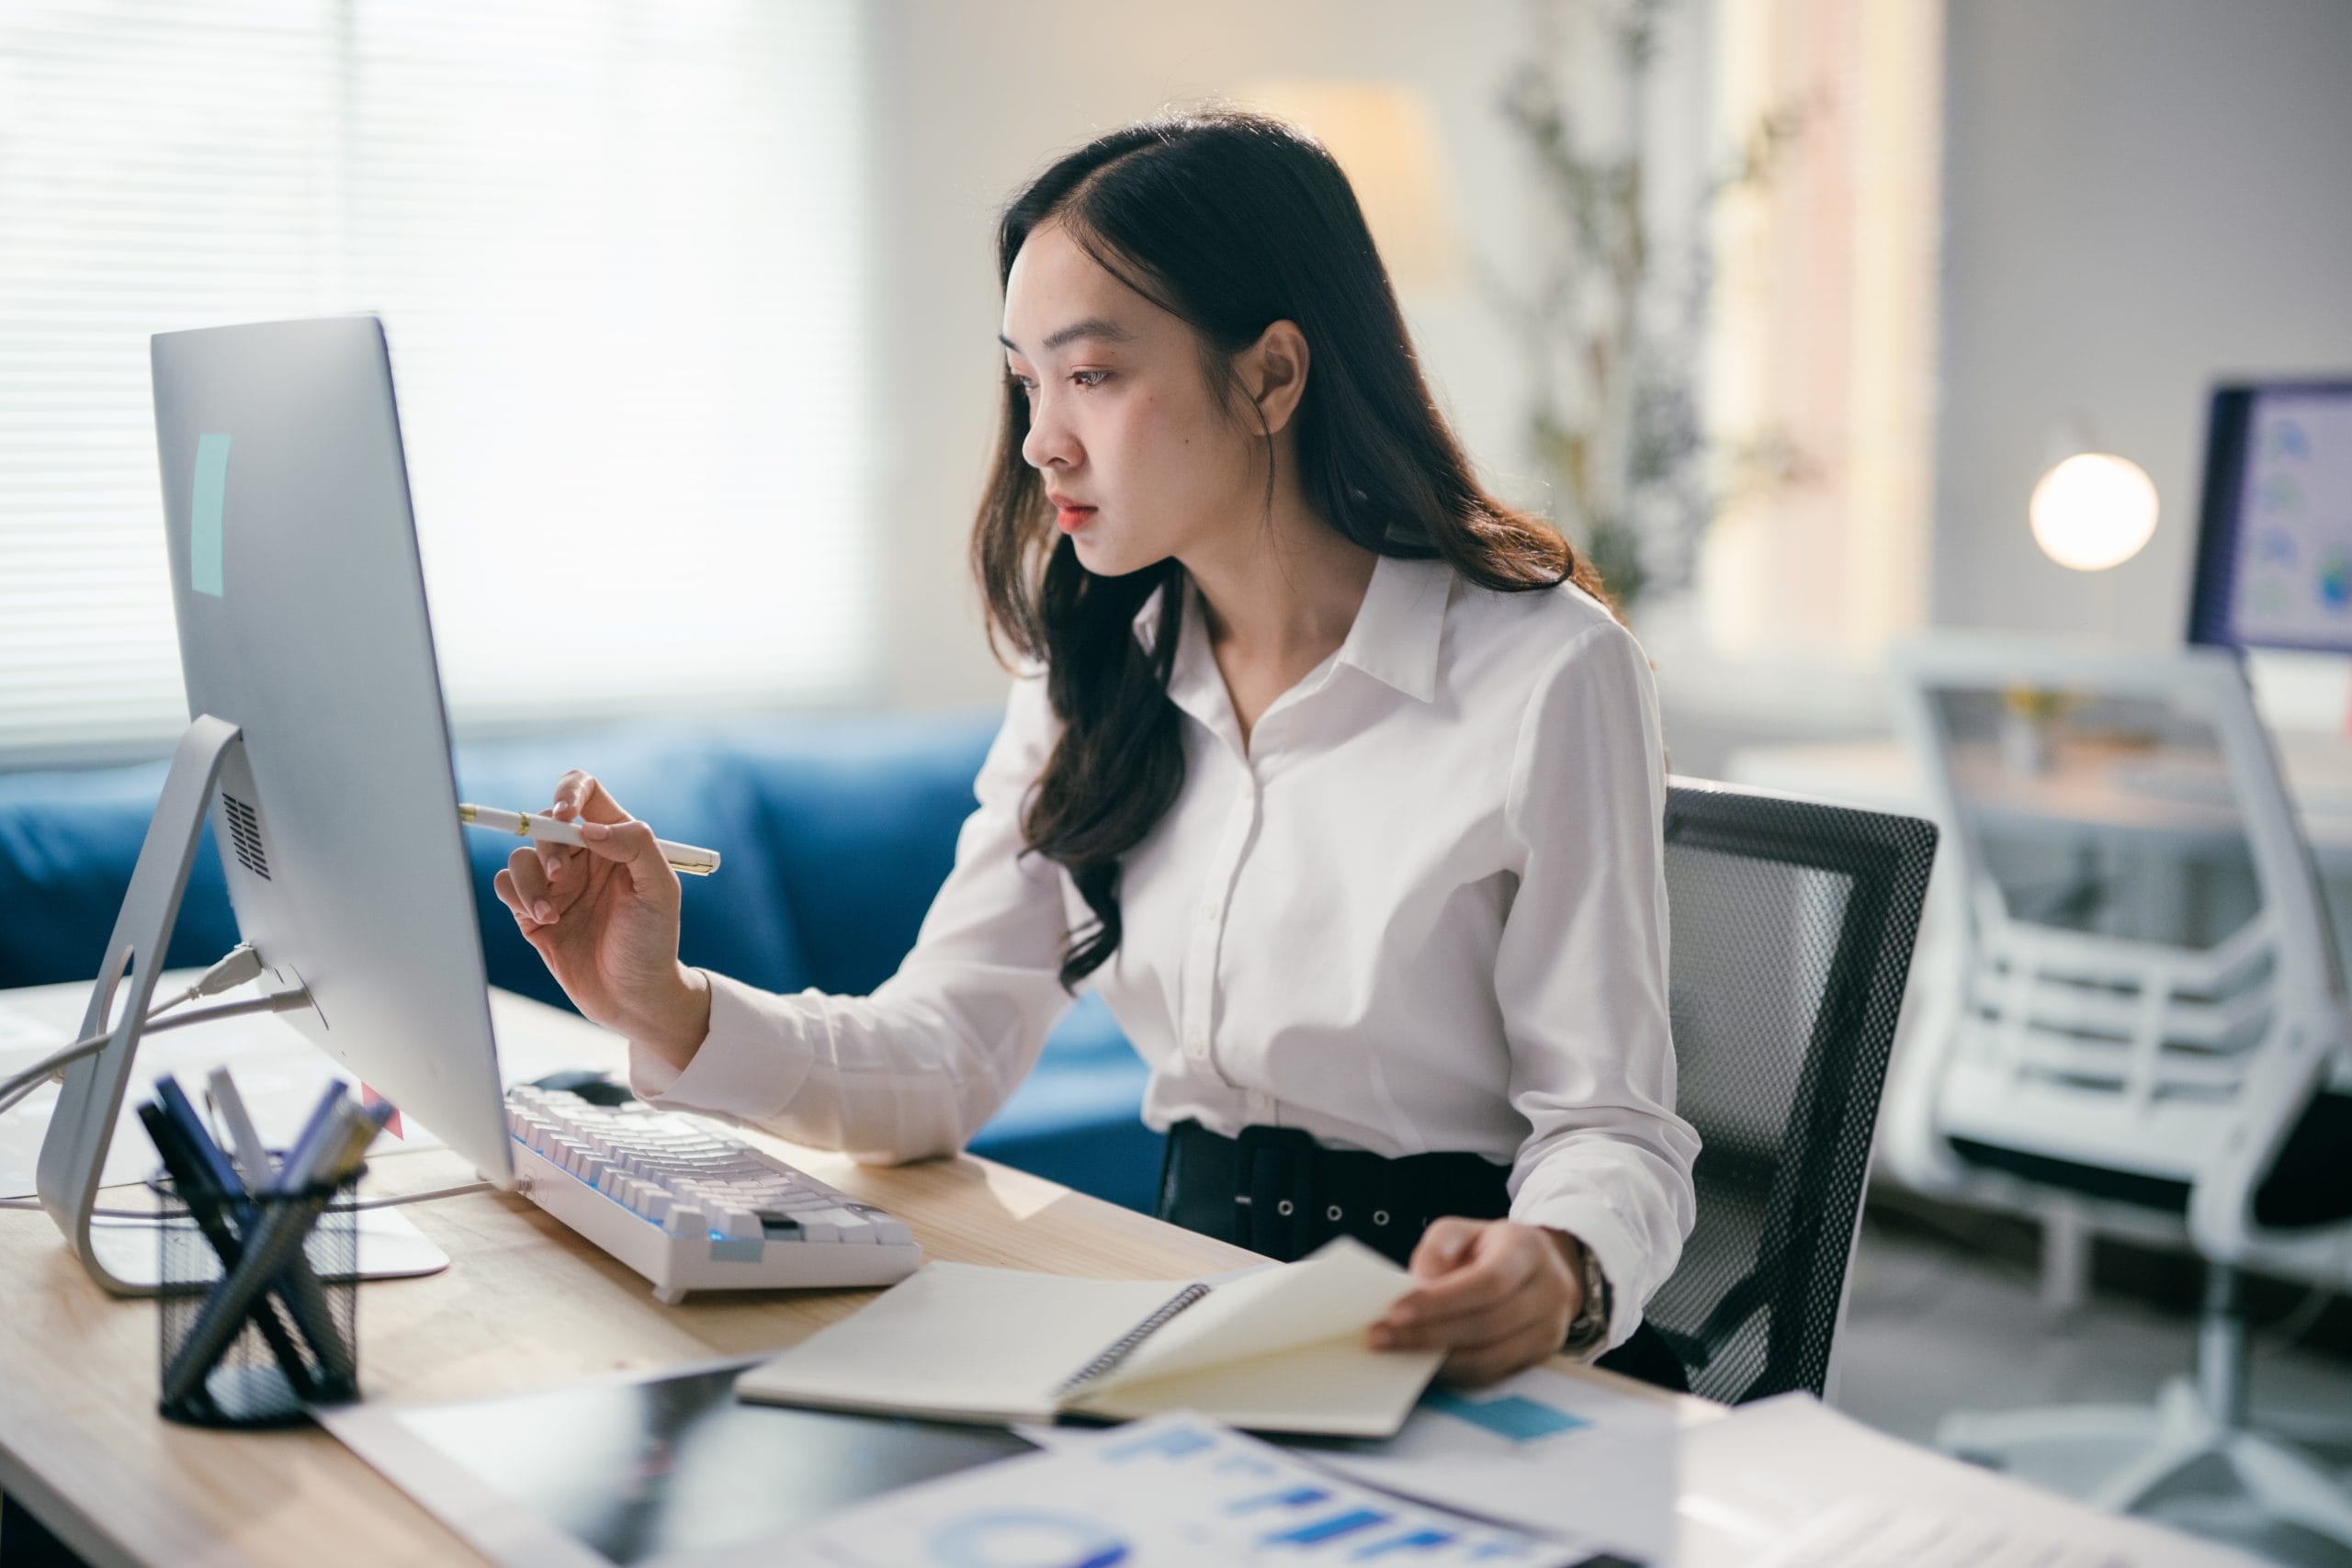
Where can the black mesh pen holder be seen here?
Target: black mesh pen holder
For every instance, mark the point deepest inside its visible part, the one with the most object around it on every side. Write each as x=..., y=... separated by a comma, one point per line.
x=259, y=1305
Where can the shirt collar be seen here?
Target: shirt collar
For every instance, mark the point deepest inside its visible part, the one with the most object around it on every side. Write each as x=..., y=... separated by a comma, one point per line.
x=1396, y=638
x=1195, y=685
x=1400, y=628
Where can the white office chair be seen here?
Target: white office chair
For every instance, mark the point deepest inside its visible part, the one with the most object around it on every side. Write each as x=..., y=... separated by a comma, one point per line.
x=2105, y=1045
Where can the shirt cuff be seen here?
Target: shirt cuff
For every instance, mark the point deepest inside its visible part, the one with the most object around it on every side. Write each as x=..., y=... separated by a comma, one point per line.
x=1592, y=1223
x=750, y=1065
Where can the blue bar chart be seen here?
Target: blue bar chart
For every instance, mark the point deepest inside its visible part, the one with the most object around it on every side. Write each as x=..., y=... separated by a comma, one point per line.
x=1168, y=1493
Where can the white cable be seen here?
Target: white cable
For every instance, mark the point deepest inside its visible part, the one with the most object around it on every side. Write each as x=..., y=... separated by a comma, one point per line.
x=26, y=1080
x=396, y=1200
x=9, y=1101
x=239, y=964
x=65, y=1055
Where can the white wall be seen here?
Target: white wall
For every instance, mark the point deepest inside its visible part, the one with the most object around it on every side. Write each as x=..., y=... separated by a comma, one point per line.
x=973, y=99
x=2141, y=196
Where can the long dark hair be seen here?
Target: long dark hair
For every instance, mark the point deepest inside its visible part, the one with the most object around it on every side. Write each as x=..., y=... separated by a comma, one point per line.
x=1230, y=222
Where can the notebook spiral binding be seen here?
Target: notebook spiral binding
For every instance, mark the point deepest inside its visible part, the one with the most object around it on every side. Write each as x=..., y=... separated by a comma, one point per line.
x=1126, y=1343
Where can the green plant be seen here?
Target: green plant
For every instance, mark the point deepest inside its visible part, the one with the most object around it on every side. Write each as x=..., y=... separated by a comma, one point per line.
x=1614, y=334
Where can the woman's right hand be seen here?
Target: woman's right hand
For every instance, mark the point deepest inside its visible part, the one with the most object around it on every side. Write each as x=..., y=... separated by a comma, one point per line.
x=604, y=919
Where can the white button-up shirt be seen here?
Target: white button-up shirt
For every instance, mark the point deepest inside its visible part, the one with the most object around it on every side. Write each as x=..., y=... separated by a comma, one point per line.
x=1424, y=908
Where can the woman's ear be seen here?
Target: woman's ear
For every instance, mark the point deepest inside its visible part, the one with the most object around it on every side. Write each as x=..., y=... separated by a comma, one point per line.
x=1273, y=370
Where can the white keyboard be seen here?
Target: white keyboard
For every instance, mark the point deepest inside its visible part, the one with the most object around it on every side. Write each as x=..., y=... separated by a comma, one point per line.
x=692, y=1209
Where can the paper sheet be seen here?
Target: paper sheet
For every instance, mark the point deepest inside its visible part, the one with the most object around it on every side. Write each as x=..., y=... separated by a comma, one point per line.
x=1872, y=1535
x=1334, y=1387
x=1343, y=1288
x=1168, y=1493
x=1787, y=1481
x=1542, y=1449
x=956, y=1341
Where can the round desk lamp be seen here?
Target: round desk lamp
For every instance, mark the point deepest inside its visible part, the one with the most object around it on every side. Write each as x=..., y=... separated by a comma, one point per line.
x=2093, y=511
x=2090, y=512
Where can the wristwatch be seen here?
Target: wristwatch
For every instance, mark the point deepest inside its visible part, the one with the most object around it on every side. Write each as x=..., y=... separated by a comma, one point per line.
x=1590, y=1324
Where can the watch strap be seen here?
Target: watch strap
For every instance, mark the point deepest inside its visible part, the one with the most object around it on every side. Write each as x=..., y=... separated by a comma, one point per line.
x=1589, y=1327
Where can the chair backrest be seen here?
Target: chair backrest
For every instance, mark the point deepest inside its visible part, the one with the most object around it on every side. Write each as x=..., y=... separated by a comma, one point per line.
x=2150, y=985
x=1793, y=926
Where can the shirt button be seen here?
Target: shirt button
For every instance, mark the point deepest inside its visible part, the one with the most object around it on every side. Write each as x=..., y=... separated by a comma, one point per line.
x=1196, y=1046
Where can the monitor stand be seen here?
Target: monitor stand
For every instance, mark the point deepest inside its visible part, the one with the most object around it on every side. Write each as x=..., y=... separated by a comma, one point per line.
x=123, y=1254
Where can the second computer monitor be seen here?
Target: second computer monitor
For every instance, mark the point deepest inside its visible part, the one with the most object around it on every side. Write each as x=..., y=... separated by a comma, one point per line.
x=2274, y=550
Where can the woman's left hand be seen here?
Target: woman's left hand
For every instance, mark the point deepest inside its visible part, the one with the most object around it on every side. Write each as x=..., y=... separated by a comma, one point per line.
x=1494, y=1294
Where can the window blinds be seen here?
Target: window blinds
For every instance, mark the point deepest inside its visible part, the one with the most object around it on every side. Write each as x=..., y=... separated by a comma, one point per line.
x=618, y=250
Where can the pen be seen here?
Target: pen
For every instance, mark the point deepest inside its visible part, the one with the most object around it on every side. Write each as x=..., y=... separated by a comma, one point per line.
x=277, y=1243
x=206, y=1208
x=219, y=1169
x=322, y=1162
x=304, y=1148
x=533, y=825
x=252, y=1154
x=305, y=1297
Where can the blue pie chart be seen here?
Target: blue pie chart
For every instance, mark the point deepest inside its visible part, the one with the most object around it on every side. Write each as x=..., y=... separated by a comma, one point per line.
x=1025, y=1539
x=2335, y=583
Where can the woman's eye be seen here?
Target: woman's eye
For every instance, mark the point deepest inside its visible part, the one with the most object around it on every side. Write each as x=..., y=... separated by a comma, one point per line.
x=1081, y=377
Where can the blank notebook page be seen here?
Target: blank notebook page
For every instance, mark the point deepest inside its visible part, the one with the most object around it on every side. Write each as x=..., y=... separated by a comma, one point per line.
x=957, y=1340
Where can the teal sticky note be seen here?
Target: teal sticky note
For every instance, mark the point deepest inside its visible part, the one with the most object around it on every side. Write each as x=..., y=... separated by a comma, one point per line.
x=204, y=528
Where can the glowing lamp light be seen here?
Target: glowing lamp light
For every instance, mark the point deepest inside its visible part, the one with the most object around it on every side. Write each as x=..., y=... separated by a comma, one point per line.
x=2093, y=511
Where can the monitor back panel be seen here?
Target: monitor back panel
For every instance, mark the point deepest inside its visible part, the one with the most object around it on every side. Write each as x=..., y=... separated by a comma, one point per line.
x=302, y=620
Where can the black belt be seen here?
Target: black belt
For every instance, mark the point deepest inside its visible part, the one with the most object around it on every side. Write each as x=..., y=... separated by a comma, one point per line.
x=1277, y=1191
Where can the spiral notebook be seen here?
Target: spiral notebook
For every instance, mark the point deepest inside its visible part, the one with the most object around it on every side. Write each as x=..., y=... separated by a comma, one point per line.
x=1282, y=1350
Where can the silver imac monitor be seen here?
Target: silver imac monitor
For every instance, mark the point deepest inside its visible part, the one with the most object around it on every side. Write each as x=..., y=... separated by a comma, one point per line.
x=318, y=745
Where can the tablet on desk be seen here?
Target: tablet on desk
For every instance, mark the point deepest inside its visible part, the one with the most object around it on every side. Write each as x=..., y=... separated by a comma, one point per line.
x=646, y=1471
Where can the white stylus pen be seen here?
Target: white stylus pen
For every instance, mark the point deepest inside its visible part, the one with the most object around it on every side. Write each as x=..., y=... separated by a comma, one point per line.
x=683, y=858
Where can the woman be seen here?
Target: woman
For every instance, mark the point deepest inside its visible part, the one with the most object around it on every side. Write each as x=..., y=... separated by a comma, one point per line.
x=1336, y=777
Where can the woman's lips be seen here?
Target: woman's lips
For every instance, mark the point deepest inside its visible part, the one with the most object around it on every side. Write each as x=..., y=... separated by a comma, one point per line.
x=1070, y=519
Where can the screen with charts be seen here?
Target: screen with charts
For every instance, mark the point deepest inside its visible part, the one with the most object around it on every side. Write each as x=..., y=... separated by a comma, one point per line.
x=2274, y=566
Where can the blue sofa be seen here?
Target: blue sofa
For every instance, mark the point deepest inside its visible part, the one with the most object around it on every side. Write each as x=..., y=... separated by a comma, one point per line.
x=836, y=833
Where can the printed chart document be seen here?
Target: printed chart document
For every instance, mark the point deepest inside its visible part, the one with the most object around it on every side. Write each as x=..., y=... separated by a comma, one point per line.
x=1543, y=1450
x=1172, y=1492
x=1277, y=1350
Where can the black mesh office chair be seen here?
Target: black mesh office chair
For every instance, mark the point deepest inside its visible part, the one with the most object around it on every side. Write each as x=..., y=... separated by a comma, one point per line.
x=1792, y=924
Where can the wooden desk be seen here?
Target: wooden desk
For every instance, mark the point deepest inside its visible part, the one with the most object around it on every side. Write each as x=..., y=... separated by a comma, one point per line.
x=526, y=1304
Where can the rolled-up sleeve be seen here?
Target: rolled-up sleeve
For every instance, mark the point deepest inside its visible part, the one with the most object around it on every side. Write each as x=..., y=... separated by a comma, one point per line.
x=916, y=1068
x=1581, y=975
